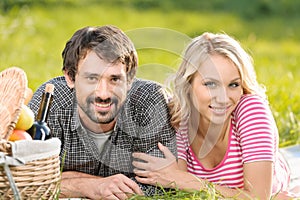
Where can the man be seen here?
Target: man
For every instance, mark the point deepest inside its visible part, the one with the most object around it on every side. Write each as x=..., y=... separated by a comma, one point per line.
x=103, y=114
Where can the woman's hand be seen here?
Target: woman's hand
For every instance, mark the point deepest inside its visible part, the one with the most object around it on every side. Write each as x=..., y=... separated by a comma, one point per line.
x=153, y=170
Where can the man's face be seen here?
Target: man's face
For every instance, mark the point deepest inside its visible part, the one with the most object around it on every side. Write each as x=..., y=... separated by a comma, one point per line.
x=101, y=90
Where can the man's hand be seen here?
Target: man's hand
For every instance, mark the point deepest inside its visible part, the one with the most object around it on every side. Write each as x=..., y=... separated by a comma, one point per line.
x=75, y=184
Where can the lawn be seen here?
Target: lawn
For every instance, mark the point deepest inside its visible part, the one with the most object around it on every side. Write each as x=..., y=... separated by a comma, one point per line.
x=32, y=37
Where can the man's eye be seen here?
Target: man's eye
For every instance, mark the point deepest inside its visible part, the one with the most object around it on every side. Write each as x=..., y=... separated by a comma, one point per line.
x=210, y=84
x=92, y=79
x=115, y=79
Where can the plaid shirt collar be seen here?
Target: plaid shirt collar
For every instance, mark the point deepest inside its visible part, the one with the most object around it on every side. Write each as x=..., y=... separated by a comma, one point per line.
x=75, y=121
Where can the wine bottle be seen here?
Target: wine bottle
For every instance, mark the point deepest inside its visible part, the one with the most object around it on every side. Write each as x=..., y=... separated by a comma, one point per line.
x=40, y=130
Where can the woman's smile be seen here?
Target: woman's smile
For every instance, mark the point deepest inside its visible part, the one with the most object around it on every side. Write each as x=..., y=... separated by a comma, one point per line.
x=219, y=110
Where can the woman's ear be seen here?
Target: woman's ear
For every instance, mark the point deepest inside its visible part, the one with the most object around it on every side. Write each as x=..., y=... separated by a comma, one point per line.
x=70, y=82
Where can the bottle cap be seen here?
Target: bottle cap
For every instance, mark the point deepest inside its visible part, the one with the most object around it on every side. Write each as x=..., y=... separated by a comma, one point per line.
x=49, y=88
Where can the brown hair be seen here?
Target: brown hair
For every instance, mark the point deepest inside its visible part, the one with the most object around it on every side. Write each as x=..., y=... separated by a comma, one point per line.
x=108, y=42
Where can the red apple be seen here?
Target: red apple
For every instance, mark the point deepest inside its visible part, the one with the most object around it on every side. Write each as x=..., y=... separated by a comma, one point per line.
x=19, y=135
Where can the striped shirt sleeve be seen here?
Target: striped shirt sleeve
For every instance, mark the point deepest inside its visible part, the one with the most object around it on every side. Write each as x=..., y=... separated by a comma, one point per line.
x=182, y=142
x=256, y=129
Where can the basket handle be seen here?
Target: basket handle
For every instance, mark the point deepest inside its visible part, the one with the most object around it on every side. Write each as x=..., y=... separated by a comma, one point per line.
x=10, y=177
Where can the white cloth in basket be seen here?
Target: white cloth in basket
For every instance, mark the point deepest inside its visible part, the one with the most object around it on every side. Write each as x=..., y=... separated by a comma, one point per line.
x=30, y=150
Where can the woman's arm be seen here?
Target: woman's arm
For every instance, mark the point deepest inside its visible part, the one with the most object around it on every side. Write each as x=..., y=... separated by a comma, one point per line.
x=168, y=173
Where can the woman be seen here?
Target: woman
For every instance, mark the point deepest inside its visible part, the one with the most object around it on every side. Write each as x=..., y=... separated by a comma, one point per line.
x=226, y=133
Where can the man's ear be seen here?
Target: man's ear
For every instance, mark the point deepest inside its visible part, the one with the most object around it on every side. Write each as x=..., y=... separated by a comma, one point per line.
x=129, y=84
x=70, y=82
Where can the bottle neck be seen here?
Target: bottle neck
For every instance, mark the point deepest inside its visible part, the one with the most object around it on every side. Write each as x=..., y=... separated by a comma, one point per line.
x=44, y=107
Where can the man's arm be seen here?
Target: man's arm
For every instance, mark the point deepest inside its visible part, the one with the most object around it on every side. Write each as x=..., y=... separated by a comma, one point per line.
x=155, y=125
x=77, y=184
x=152, y=124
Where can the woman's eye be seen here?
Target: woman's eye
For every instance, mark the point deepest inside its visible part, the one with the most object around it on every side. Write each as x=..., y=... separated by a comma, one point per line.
x=210, y=84
x=234, y=85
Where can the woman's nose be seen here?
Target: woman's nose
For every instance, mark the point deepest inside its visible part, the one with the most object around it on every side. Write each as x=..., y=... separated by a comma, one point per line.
x=221, y=95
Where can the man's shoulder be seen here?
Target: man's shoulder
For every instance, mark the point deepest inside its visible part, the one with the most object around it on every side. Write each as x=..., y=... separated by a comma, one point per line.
x=59, y=83
x=146, y=93
x=146, y=88
x=145, y=84
x=63, y=96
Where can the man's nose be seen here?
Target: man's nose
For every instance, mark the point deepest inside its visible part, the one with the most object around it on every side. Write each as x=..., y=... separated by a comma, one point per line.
x=103, y=89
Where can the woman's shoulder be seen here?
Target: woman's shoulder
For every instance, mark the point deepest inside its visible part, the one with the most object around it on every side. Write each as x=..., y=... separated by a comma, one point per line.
x=182, y=131
x=248, y=98
x=251, y=105
x=251, y=101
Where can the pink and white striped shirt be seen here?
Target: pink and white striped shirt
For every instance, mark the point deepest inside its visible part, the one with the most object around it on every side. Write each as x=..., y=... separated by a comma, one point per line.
x=253, y=137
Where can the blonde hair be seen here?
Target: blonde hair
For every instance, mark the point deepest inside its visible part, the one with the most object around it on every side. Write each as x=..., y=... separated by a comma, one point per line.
x=195, y=54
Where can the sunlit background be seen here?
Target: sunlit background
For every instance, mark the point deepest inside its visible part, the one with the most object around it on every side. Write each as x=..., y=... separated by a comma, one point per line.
x=33, y=34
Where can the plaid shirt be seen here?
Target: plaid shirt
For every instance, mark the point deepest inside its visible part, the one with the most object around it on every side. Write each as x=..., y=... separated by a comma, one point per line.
x=142, y=122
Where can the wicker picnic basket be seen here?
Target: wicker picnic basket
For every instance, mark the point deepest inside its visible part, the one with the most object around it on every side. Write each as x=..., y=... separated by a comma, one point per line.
x=37, y=179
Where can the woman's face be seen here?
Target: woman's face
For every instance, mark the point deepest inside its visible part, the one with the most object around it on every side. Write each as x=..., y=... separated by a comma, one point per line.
x=216, y=89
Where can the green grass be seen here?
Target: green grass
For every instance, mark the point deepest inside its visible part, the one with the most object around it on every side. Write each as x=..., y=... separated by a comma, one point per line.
x=33, y=37
x=210, y=193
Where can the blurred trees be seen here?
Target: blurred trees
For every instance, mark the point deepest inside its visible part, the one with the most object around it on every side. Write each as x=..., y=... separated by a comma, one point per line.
x=244, y=8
